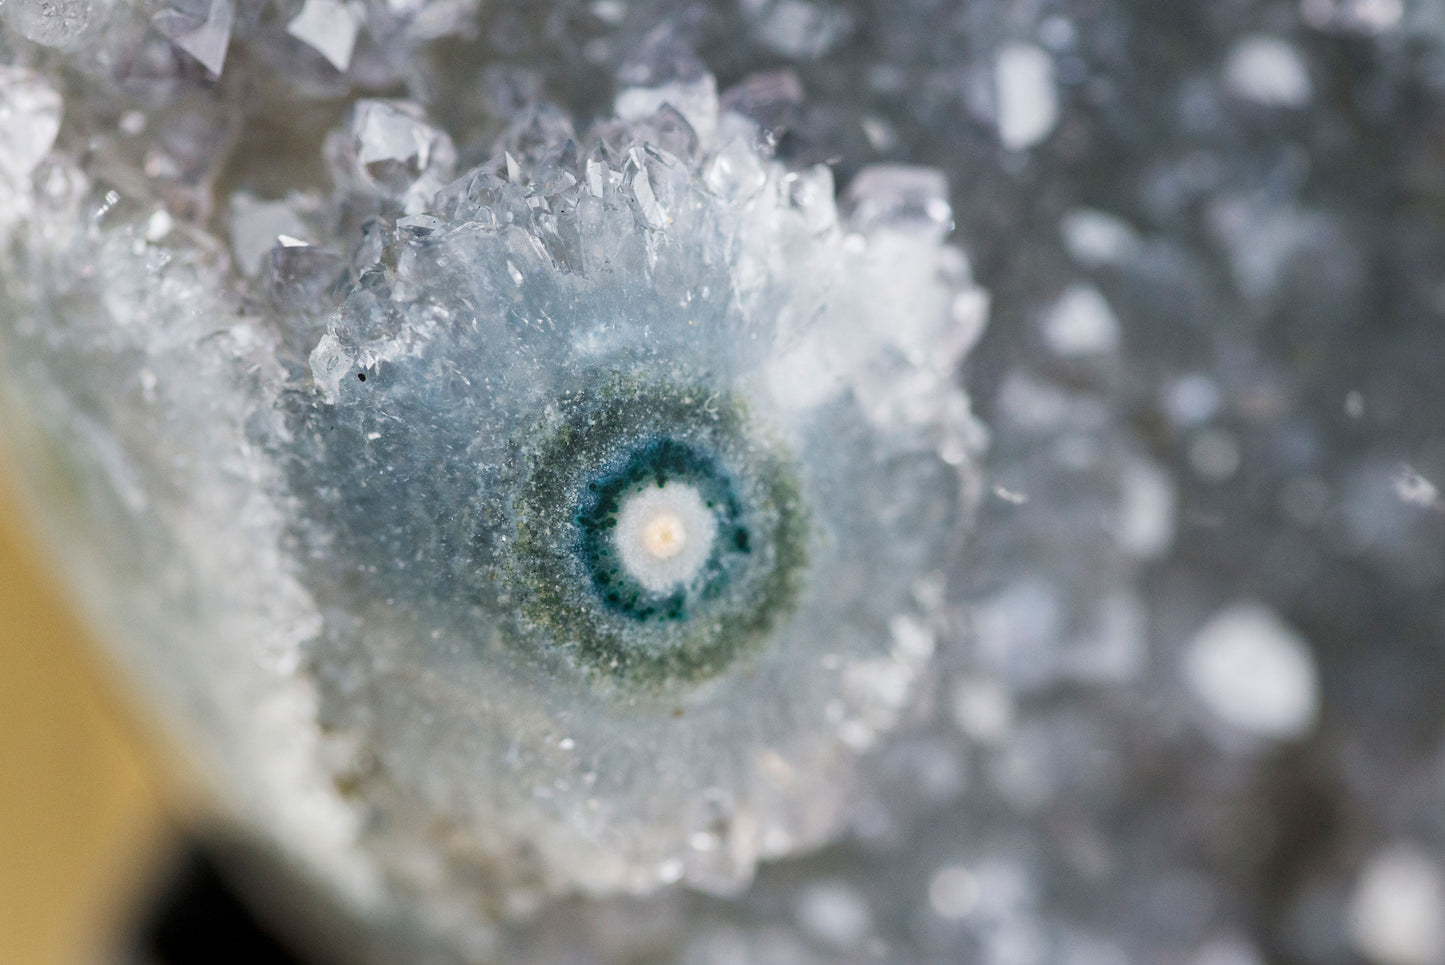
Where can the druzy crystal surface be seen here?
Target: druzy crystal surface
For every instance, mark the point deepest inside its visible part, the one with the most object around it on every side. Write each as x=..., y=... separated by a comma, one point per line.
x=775, y=480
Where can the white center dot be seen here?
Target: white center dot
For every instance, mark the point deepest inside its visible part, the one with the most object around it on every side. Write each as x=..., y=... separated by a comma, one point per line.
x=664, y=535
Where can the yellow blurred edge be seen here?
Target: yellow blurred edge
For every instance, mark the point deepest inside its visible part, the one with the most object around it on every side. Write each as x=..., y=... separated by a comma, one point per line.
x=84, y=834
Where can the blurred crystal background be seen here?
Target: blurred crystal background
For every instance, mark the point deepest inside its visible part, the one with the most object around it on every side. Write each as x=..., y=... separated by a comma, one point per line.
x=1199, y=714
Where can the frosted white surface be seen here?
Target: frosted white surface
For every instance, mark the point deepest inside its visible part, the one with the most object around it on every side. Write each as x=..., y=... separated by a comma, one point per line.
x=1254, y=672
x=54, y=23
x=664, y=535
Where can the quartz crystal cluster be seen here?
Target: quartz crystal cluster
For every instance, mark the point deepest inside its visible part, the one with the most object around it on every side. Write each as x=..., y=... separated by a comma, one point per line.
x=525, y=454
x=639, y=466
x=572, y=521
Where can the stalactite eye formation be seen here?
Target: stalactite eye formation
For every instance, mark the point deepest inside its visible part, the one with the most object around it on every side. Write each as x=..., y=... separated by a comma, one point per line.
x=574, y=521
x=661, y=534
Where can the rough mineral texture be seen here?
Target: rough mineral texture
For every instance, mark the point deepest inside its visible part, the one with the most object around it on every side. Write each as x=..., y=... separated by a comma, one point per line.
x=901, y=481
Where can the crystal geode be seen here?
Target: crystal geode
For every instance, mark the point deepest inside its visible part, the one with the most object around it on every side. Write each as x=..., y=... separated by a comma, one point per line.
x=521, y=450
x=577, y=319
x=386, y=498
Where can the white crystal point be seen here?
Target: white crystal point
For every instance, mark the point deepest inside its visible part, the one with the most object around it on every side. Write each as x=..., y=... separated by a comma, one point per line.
x=329, y=27
x=665, y=71
x=29, y=120
x=257, y=227
x=664, y=535
x=208, y=41
x=903, y=198
x=387, y=148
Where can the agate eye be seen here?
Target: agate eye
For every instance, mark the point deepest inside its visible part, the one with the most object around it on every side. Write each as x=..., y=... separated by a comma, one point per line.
x=634, y=535
x=660, y=534
x=609, y=524
x=648, y=535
